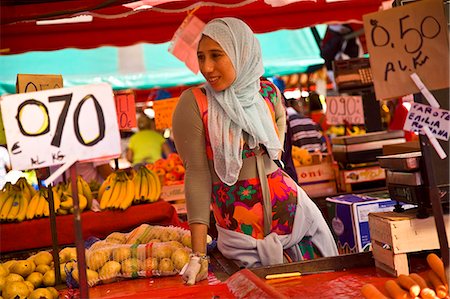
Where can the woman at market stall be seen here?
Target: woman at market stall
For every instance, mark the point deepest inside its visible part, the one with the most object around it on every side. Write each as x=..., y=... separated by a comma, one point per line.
x=229, y=133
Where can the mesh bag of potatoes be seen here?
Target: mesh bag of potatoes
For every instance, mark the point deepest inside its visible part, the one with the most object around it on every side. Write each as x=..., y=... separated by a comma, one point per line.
x=144, y=252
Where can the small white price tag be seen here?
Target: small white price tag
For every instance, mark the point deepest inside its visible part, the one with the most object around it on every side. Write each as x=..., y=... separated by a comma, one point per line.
x=54, y=126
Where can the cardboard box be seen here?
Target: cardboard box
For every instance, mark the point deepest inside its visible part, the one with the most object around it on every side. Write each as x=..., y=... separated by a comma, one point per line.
x=318, y=179
x=349, y=218
x=172, y=193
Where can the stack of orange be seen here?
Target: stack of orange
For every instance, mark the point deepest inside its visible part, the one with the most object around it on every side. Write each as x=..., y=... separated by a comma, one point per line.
x=170, y=171
x=432, y=284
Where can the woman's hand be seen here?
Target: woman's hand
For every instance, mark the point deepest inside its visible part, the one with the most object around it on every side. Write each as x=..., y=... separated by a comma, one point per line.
x=196, y=270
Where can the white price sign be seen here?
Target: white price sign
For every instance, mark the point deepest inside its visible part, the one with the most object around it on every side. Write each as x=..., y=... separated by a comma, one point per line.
x=345, y=108
x=56, y=126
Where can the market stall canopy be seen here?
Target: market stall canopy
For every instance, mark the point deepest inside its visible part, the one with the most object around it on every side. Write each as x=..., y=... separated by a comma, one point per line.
x=144, y=66
x=93, y=23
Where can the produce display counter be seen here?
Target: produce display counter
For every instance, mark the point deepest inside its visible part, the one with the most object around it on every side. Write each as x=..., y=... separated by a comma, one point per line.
x=36, y=233
x=339, y=284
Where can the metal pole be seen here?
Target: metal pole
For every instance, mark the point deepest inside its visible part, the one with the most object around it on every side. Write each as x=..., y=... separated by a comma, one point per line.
x=79, y=242
x=436, y=204
x=53, y=230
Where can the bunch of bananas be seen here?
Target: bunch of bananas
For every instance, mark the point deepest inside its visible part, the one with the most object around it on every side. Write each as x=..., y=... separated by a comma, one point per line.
x=83, y=188
x=14, y=200
x=116, y=192
x=301, y=156
x=147, y=186
x=13, y=204
x=39, y=206
x=66, y=205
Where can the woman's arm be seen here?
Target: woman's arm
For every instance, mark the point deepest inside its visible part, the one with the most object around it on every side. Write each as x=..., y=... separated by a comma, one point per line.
x=280, y=116
x=189, y=137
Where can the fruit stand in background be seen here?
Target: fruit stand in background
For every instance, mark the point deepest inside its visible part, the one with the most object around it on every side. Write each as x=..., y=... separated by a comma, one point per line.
x=171, y=174
x=316, y=172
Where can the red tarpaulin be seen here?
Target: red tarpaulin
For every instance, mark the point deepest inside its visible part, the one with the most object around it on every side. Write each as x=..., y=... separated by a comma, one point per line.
x=116, y=25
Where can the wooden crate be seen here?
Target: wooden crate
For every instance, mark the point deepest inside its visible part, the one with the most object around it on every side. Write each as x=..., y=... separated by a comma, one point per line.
x=394, y=235
x=318, y=179
x=359, y=175
x=176, y=196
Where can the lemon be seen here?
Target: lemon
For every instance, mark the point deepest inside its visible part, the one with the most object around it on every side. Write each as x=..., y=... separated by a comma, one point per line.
x=23, y=268
x=43, y=258
x=95, y=260
x=8, y=264
x=54, y=292
x=41, y=293
x=180, y=257
x=12, y=277
x=92, y=276
x=29, y=285
x=62, y=271
x=16, y=290
x=49, y=278
x=67, y=254
x=3, y=271
x=2, y=283
x=42, y=268
x=121, y=253
x=35, y=278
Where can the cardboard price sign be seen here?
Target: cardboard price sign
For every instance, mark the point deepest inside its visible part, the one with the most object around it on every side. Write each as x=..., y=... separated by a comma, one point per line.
x=345, y=109
x=35, y=82
x=164, y=112
x=56, y=126
x=405, y=40
x=437, y=120
x=126, y=110
x=29, y=83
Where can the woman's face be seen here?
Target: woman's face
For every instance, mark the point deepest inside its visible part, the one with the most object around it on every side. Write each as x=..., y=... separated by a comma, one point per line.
x=215, y=65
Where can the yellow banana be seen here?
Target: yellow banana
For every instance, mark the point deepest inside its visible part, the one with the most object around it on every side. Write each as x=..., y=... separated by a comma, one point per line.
x=156, y=186
x=86, y=192
x=151, y=187
x=110, y=193
x=22, y=184
x=41, y=205
x=6, y=207
x=120, y=197
x=105, y=184
x=129, y=195
x=145, y=186
x=4, y=194
x=67, y=204
x=23, y=204
x=32, y=206
x=82, y=202
x=137, y=184
x=15, y=207
x=62, y=211
x=46, y=210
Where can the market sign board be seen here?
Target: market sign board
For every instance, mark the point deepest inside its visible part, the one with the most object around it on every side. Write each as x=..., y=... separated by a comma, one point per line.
x=29, y=83
x=405, y=40
x=437, y=120
x=163, y=112
x=63, y=125
x=37, y=82
x=126, y=110
x=342, y=109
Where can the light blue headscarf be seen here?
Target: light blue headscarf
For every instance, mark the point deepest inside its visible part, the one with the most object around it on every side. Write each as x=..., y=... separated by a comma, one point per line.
x=239, y=107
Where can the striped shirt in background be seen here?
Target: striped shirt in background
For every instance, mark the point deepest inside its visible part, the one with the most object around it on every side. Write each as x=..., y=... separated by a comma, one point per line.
x=306, y=133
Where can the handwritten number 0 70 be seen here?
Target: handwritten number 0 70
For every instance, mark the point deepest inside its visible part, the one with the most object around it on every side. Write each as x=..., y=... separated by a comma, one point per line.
x=45, y=128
